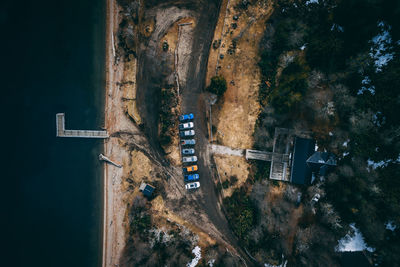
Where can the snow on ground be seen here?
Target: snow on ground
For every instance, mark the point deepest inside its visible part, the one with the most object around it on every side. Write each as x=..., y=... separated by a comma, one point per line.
x=366, y=86
x=390, y=226
x=353, y=242
x=381, y=45
x=197, y=253
x=375, y=165
x=211, y=262
x=312, y=2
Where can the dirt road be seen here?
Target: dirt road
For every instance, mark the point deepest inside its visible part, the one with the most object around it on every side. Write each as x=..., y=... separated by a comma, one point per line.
x=154, y=72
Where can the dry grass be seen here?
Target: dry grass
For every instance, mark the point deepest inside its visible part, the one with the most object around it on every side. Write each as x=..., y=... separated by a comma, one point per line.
x=232, y=166
x=161, y=211
x=171, y=37
x=128, y=86
x=236, y=115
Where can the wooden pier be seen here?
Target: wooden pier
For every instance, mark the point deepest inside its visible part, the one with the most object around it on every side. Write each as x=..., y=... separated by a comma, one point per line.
x=61, y=132
x=266, y=156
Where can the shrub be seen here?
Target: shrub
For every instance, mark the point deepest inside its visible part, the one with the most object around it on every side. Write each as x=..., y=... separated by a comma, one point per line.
x=233, y=179
x=225, y=184
x=217, y=86
x=241, y=212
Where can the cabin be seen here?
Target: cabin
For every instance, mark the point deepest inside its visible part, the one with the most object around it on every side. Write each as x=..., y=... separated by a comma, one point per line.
x=321, y=162
x=147, y=189
x=306, y=162
x=301, y=172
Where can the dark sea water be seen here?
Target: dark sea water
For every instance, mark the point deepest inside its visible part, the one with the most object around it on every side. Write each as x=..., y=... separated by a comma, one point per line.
x=52, y=61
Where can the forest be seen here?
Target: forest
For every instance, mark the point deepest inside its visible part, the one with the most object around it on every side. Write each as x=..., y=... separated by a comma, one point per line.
x=332, y=67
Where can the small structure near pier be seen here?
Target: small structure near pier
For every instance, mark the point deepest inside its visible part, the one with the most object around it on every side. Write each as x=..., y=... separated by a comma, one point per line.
x=146, y=189
x=104, y=158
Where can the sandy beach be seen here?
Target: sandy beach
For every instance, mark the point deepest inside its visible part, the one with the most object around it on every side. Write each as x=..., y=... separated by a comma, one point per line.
x=114, y=209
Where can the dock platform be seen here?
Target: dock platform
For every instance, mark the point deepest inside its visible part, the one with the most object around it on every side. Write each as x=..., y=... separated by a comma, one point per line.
x=62, y=132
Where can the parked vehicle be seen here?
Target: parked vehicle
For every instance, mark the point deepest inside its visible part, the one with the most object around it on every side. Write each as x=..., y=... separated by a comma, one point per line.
x=184, y=126
x=187, y=133
x=192, y=185
x=189, y=159
x=186, y=117
x=188, y=142
x=187, y=151
x=192, y=168
x=191, y=177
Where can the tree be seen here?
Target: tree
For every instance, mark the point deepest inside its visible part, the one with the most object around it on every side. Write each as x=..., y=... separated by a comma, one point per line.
x=217, y=86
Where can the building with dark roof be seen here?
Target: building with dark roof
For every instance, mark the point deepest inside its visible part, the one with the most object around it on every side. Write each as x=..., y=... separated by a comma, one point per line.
x=306, y=161
x=321, y=162
x=146, y=189
x=301, y=172
x=354, y=259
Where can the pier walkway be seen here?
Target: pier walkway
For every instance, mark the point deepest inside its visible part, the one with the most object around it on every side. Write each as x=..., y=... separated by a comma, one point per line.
x=266, y=156
x=61, y=132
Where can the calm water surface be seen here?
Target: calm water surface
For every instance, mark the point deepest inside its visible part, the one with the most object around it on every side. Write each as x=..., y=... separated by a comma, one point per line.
x=52, y=61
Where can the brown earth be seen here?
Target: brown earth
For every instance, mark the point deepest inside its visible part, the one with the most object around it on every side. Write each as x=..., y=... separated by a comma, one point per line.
x=235, y=115
x=231, y=166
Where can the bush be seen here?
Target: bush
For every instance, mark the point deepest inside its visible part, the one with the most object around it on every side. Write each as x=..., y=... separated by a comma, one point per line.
x=225, y=184
x=217, y=86
x=241, y=213
x=233, y=179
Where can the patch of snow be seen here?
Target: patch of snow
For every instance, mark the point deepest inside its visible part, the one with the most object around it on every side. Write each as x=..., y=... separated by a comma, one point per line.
x=312, y=2
x=197, y=256
x=390, y=226
x=353, y=242
x=211, y=262
x=372, y=164
x=345, y=154
x=330, y=134
x=316, y=147
x=381, y=46
x=378, y=119
x=303, y=47
x=366, y=85
x=345, y=143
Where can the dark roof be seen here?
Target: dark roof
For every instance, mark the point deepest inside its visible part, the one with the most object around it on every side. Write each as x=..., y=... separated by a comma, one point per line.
x=322, y=158
x=147, y=189
x=320, y=162
x=301, y=172
x=354, y=259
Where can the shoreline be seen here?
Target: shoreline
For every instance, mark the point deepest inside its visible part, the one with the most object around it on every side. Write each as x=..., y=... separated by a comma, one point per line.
x=115, y=120
x=108, y=85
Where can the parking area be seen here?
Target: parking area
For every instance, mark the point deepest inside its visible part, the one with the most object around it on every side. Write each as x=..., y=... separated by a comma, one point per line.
x=188, y=152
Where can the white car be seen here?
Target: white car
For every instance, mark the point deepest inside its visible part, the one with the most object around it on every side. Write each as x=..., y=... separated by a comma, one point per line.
x=189, y=159
x=184, y=126
x=192, y=185
x=187, y=151
x=186, y=133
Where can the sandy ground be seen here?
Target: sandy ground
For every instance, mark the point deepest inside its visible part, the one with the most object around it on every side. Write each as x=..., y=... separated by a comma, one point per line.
x=140, y=158
x=179, y=38
x=231, y=166
x=236, y=114
x=139, y=163
x=115, y=121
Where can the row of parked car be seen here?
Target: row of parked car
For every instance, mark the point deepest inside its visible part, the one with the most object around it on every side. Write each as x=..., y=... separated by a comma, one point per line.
x=187, y=133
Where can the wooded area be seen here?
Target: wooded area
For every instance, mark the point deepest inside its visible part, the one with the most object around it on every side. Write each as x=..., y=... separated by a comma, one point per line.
x=333, y=67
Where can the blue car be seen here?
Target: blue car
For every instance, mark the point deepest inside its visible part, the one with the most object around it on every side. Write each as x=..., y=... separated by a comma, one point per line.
x=186, y=117
x=191, y=177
